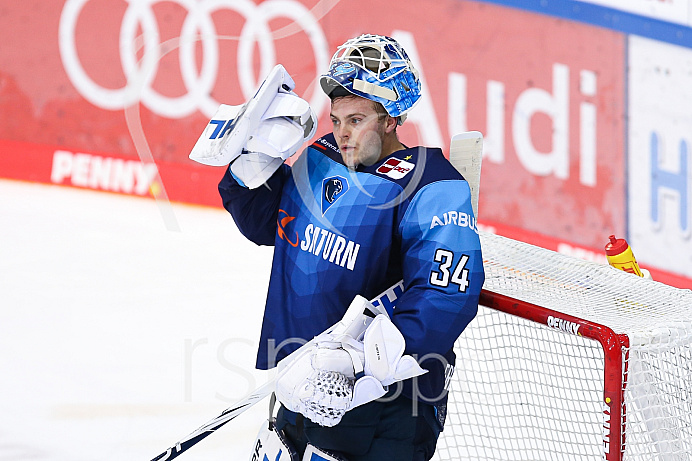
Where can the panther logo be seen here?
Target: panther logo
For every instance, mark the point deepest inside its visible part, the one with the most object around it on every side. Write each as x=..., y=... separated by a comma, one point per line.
x=333, y=188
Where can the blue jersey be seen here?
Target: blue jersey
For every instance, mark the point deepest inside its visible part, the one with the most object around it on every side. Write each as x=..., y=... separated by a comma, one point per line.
x=339, y=233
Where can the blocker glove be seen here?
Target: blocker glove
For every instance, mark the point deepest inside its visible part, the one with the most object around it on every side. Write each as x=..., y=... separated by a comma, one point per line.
x=258, y=136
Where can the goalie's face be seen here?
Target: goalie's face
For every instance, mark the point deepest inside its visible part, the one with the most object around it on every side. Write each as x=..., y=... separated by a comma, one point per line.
x=361, y=132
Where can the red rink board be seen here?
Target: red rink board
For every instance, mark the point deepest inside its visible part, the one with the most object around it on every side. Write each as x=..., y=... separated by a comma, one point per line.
x=547, y=93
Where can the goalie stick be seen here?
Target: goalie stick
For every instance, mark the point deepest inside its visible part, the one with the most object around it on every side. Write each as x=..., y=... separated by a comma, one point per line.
x=227, y=415
x=384, y=300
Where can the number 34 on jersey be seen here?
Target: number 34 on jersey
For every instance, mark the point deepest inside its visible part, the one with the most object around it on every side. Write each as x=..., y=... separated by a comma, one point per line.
x=446, y=272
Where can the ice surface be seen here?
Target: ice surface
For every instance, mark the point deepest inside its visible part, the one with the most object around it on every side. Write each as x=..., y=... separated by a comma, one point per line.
x=119, y=337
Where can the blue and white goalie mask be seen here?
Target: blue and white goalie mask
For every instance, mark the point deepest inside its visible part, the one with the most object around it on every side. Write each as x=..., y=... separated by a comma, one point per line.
x=374, y=67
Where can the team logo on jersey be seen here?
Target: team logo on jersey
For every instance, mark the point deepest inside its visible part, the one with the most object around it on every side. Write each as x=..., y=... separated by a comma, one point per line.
x=281, y=223
x=395, y=168
x=332, y=189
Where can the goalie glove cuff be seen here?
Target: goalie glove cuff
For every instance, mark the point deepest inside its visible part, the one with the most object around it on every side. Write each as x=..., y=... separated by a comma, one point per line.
x=385, y=362
x=384, y=347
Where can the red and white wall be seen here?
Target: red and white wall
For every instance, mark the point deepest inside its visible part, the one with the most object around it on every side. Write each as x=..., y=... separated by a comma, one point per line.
x=586, y=124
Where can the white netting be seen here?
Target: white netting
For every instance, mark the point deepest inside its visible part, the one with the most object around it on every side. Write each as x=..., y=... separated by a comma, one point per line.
x=514, y=393
x=524, y=391
x=658, y=395
x=591, y=291
x=328, y=395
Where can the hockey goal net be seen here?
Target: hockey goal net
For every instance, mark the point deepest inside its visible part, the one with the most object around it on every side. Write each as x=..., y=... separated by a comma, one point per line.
x=570, y=360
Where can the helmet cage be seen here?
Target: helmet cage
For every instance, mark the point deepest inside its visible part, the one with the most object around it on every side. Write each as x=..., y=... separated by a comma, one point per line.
x=375, y=67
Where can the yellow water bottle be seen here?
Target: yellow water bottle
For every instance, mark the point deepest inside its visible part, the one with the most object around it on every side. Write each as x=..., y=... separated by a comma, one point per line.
x=620, y=256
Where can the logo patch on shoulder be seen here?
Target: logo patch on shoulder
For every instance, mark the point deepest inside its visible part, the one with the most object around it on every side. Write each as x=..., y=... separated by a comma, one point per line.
x=332, y=189
x=395, y=168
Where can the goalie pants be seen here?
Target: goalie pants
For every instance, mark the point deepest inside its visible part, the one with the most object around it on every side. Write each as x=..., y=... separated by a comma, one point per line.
x=377, y=431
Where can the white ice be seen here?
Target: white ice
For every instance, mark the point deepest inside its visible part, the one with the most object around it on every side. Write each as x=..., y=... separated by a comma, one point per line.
x=118, y=337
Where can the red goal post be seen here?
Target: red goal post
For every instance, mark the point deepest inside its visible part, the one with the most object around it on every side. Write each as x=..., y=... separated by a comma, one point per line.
x=570, y=360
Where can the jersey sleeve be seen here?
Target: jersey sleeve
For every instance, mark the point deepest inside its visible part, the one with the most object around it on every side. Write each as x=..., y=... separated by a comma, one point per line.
x=442, y=267
x=254, y=210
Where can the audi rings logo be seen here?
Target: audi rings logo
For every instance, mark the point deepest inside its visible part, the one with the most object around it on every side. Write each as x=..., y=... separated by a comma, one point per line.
x=197, y=26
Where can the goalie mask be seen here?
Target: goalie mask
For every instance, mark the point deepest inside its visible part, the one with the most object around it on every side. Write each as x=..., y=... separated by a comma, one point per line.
x=374, y=67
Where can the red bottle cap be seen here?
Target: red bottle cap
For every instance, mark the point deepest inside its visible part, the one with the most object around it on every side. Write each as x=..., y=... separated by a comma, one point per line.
x=615, y=246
